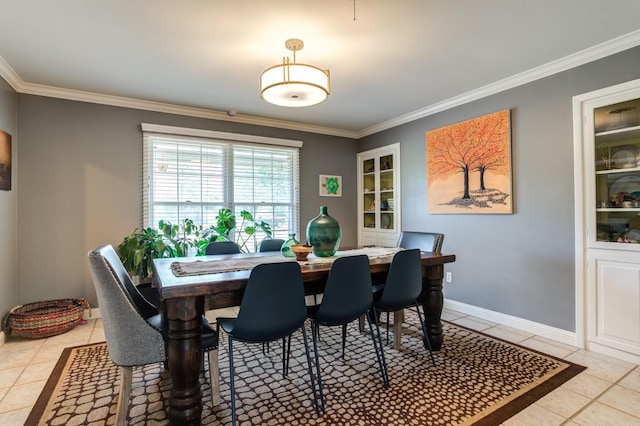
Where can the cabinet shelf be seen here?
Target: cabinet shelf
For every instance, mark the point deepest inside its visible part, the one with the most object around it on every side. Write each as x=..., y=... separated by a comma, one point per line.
x=612, y=135
x=614, y=171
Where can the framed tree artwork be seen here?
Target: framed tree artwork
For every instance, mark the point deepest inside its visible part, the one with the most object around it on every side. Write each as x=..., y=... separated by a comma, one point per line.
x=469, y=166
x=5, y=161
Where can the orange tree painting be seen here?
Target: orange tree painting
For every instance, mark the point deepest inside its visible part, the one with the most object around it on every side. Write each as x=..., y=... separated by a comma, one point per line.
x=469, y=166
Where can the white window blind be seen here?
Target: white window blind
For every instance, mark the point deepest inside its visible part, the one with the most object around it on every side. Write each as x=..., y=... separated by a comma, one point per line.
x=186, y=176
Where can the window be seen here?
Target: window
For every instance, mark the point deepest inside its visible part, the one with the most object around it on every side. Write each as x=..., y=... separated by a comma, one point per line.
x=193, y=173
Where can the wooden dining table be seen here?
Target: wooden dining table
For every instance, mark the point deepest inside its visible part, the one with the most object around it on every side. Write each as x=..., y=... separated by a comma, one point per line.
x=187, y=288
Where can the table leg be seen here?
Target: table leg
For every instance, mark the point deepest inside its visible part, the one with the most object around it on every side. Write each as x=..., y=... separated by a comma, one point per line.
x=184, y=320
x=432, y=303
x=398, y=319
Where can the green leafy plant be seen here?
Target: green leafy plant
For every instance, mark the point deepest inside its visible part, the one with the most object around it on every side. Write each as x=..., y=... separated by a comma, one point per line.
x=142, y=245
x=227, y=228
x=139, y=248
x=181, y=237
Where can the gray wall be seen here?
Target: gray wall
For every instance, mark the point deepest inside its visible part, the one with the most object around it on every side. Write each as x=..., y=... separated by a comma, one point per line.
x=81, y=185
x=9, y=204
x=520, y=264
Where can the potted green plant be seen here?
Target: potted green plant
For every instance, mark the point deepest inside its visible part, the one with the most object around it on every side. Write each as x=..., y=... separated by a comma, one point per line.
x=142, y=245
x=227, y=228
x=181, y=238
x=139, y=248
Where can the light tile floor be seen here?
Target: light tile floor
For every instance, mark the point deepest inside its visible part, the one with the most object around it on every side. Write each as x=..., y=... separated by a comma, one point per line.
x=606, y=394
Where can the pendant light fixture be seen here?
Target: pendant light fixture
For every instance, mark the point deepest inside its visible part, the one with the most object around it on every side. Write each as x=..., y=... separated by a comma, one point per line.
x=294, y=85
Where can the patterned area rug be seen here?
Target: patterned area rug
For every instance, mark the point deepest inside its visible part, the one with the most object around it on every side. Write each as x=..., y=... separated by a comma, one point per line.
x=477, y=380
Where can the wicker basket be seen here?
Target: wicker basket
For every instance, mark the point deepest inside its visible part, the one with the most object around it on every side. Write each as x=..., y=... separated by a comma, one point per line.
x=47, y=318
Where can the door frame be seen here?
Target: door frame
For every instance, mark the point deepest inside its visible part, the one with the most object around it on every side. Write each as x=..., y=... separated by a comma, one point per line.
x=582, y=131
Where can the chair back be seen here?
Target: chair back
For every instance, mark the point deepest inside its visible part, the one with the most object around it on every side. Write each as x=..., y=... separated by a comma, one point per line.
x=130, y=338
x=270, y=244
x=273, y=304
x=222, y=247
x=425, y=241
x=404, y=281
x=144, y=307
x=347, y=294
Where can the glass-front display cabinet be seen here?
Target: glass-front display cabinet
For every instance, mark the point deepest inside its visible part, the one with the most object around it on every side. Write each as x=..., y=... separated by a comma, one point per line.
x=617, y=172
x=379, y=196
x=607, y=188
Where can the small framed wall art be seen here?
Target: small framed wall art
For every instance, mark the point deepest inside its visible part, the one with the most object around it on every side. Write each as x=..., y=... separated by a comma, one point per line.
x=330, y=186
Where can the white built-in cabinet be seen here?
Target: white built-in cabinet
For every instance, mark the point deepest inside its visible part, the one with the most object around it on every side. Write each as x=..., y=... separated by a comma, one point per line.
x=379, y=196
x=607, y=154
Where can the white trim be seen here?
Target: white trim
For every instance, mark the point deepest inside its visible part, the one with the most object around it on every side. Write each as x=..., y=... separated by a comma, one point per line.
x=95, y=314
x=593, y=53
x=212, y=134
x=582, y=104
x=612, y=352
x=580, y=58
x=579, y=224
x=557, y=334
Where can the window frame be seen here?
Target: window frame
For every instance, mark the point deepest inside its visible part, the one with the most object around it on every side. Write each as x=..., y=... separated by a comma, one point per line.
x=153, y=133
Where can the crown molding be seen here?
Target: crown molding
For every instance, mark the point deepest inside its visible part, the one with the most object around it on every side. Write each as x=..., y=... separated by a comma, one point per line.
x=20, y=86
x=591, y=54
x=580, y=58
x=10, y=76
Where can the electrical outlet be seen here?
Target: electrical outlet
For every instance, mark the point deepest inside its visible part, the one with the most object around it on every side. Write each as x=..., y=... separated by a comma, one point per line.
x=449, y=277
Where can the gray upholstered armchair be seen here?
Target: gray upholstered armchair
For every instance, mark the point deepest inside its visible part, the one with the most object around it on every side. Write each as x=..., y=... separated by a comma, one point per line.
x=132, y=341
x=133, y=328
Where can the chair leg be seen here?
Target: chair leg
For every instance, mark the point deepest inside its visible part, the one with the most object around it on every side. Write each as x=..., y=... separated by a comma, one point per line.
x=425, y=337
x=344, y=338
x=387, y=327
x=319, y=406
x=232, y=382
x=122, y=408
x=214, y=377
x=286, y=351
x=378, y=347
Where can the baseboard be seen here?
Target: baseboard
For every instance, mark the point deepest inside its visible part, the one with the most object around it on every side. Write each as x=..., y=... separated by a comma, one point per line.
x=559, y=335
x=95, y=313
x=616, y=353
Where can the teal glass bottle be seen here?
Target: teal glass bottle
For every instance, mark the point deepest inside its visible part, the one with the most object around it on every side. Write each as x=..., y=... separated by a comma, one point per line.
x=285, y=250
x=324, y=234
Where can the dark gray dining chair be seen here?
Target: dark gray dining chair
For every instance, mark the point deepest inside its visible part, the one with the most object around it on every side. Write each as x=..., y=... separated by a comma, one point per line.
x=270, y=244
x=401, y=290
x=347, y=297
x=134, y=329
x=222, y=247
x=425, y=241
x=272, y=308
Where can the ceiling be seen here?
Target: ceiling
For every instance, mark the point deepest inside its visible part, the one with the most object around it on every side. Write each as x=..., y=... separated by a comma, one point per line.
x=395, y=62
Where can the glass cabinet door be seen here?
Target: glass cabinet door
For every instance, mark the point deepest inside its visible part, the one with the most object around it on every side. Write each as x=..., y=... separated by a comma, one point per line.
x=369, y=193
x=387, y=201
x=617, y=172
